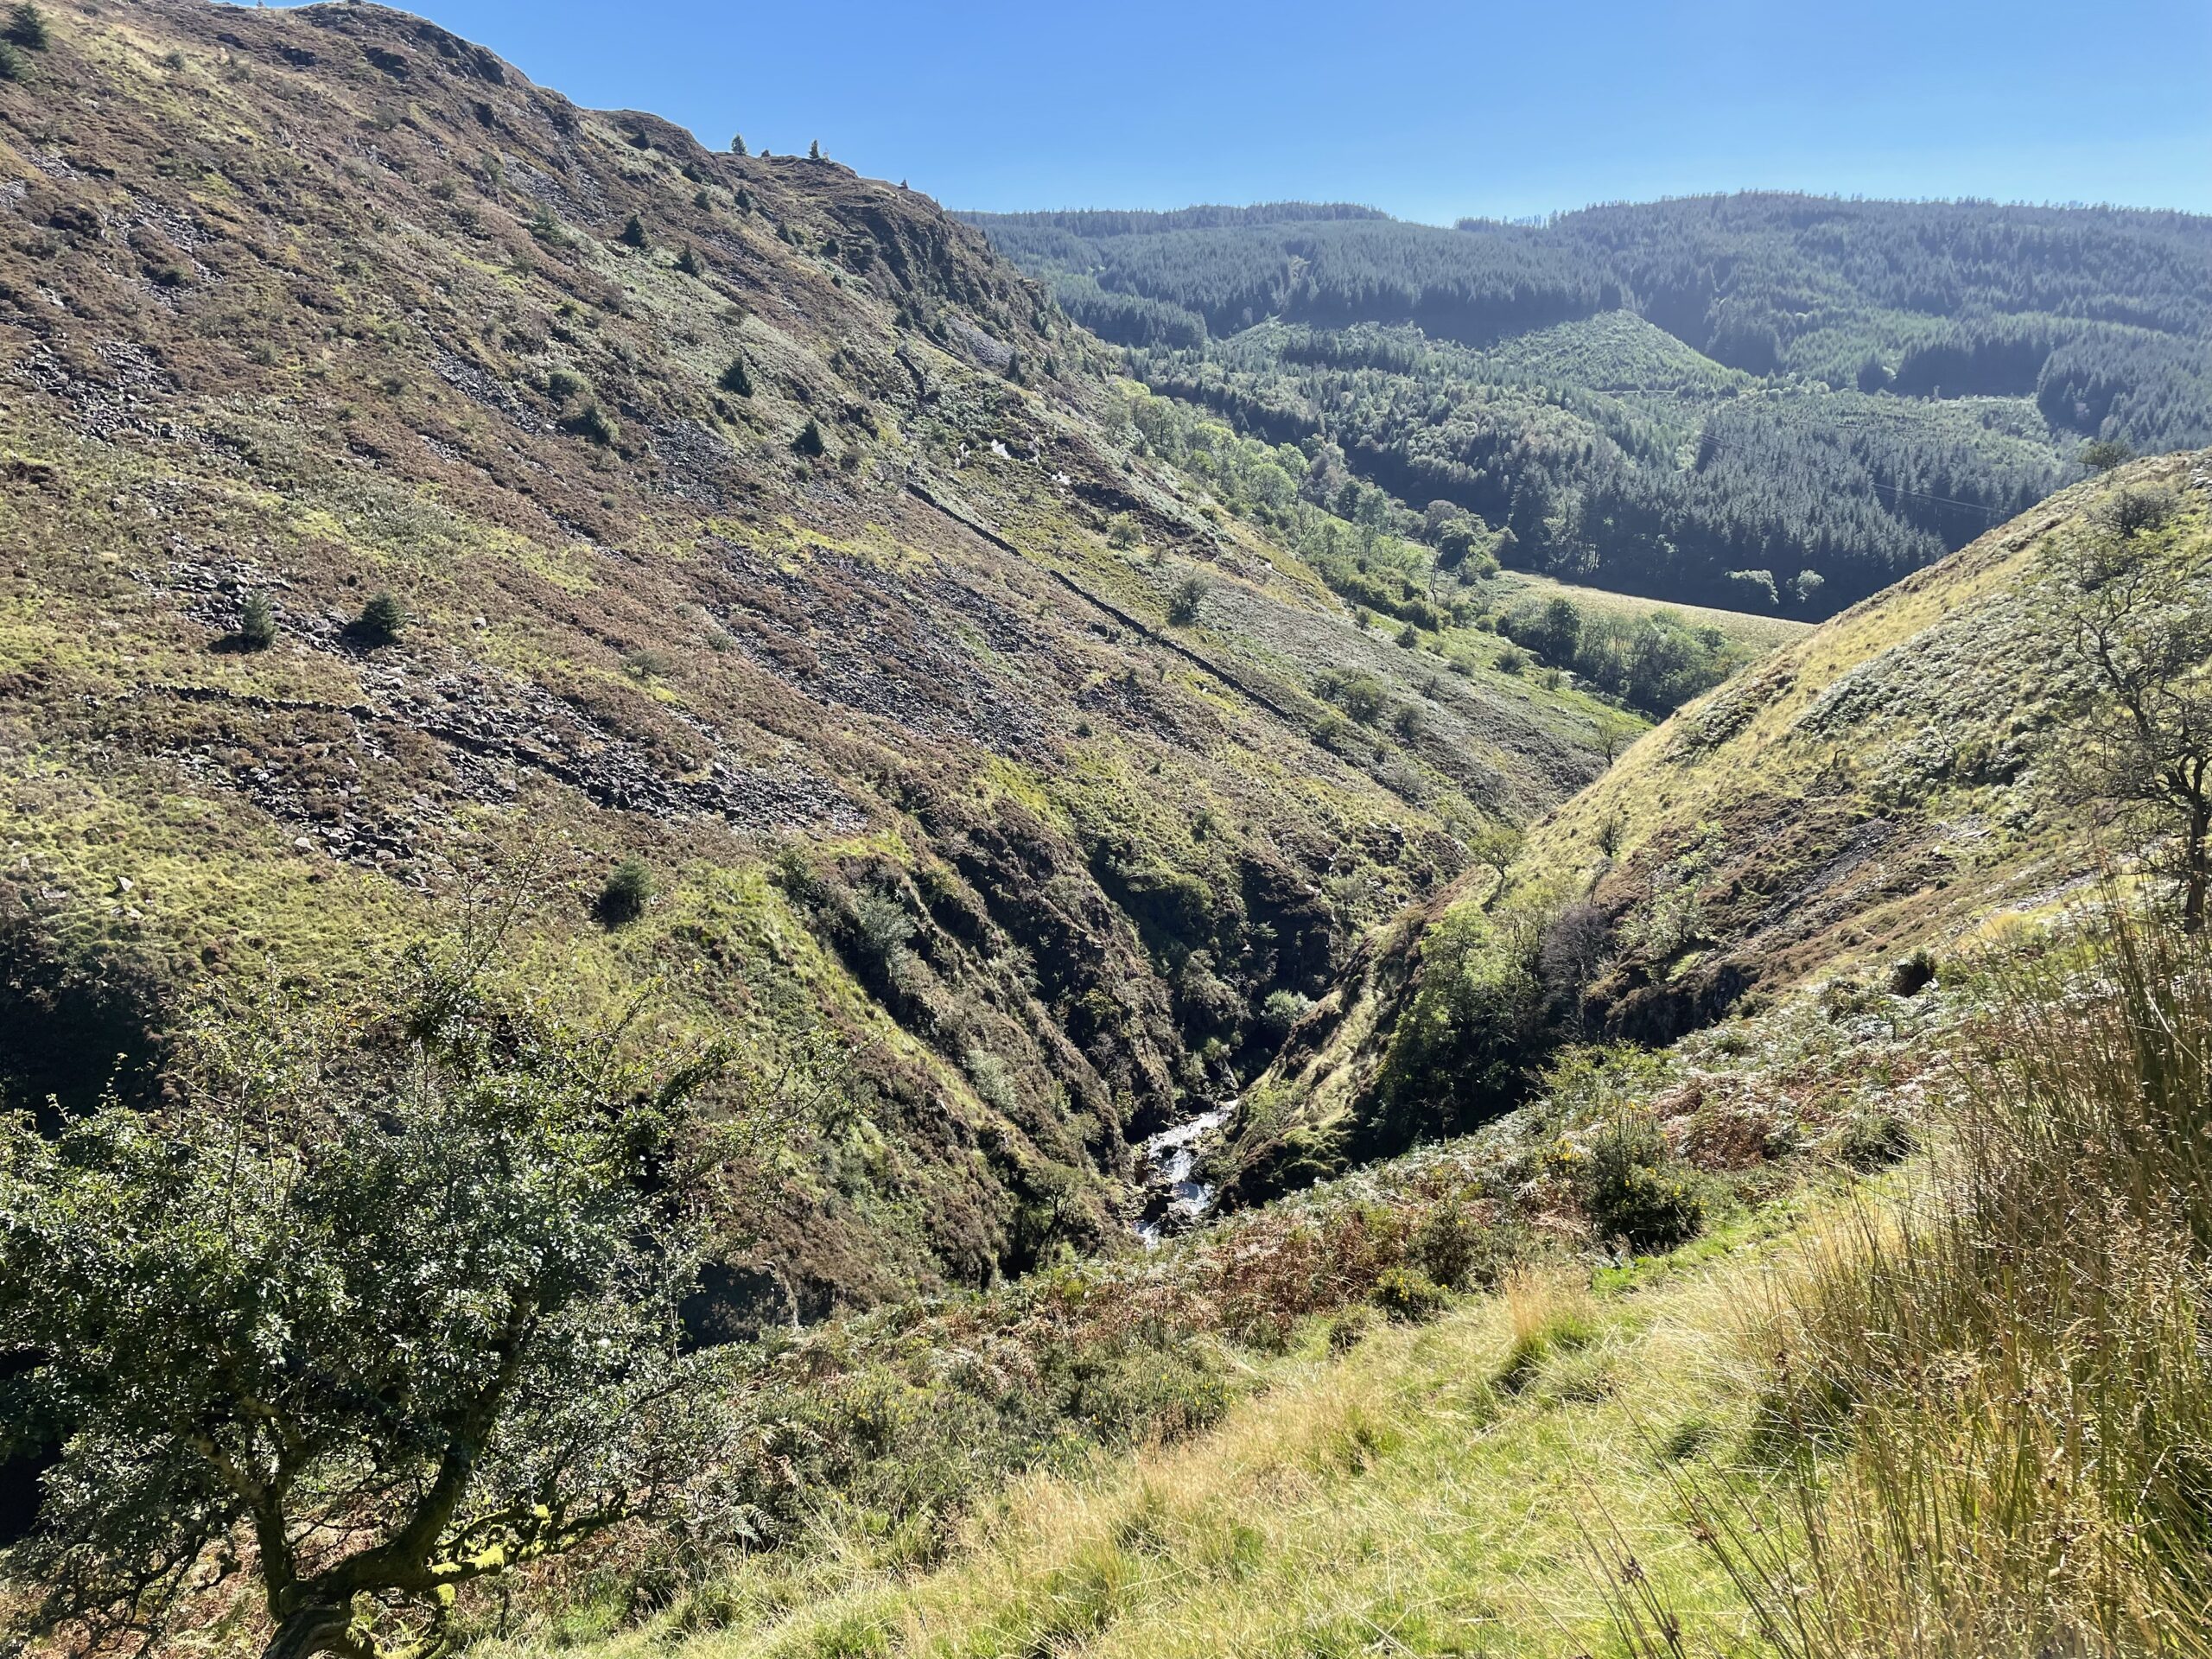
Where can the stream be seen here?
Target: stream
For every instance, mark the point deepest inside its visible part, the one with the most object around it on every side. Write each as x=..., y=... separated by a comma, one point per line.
x=1172, y=1200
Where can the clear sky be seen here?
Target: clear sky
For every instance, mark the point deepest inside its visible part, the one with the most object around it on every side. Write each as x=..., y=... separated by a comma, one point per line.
x=1427, y=110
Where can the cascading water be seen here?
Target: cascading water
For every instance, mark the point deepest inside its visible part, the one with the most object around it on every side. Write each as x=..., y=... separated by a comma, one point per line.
x=1174, y=1200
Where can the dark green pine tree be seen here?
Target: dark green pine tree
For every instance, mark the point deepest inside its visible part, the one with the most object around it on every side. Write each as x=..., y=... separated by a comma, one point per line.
x=633, y=233
x=257, y=623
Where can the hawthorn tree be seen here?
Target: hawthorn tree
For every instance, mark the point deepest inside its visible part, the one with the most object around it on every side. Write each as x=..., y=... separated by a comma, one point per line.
x=2135, y=615
x=373, y=1308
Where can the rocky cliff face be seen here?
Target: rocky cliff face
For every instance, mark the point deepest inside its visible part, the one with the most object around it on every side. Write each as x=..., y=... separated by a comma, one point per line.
x=748, y=517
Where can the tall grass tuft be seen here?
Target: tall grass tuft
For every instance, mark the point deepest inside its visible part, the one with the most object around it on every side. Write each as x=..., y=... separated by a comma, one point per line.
x=1993, y=1410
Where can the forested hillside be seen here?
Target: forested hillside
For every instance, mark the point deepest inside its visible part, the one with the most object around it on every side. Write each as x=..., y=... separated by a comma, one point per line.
x=1768, y=401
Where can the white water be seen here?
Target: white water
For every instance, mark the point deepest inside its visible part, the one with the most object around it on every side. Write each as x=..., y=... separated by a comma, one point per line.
x=1169, y=1157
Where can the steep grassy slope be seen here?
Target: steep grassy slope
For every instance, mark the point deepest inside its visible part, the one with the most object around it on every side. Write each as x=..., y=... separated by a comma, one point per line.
x=748, y=517
x=1316, y=1475
x=1893, y=779
x=1513, y=590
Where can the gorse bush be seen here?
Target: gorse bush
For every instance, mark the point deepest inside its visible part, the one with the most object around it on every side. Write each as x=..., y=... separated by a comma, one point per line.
x=1183, y=605
x=1409, y=1296
x=1634, y=1191
x=594, y=423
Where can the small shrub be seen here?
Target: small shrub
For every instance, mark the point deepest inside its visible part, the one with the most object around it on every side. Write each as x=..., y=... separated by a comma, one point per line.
x=629, y=889
x=382, y=619
x=1914, y=974
x=2132, y=512
x=1349, y=1329
x=1281, y=1010
x=26, y=28
x=1359, y=694
x=257, y=623
x=1409, y=637
x=11, y=62
x=633, y=233
x=1634, y=1191
x=1447, y=1245
x=1866, y=1141
x=1183, y=604
x=687, y=262
x=1122, y=532
x=1409, y=1296
x=595, y=424
x=809, y=442
x=735, y=379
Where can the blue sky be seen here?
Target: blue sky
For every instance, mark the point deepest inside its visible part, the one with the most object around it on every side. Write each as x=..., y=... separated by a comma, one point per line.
x=1427, y=110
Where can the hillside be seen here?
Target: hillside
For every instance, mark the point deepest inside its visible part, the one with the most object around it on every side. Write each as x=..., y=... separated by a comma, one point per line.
x=427, y=502
x=1733, y=1336
x=1902, y=778
x=1656, y=396
x=708, y=946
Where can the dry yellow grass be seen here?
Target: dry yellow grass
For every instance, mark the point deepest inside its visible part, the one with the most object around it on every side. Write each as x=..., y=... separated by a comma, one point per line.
x=1433, y=1491
x=1515, y=588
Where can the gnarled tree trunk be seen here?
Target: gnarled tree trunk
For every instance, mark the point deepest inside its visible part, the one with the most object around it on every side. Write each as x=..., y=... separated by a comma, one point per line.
x=317, y=1628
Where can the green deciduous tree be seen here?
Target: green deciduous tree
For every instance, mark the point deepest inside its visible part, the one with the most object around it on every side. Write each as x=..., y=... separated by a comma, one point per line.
x=373, y=1306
